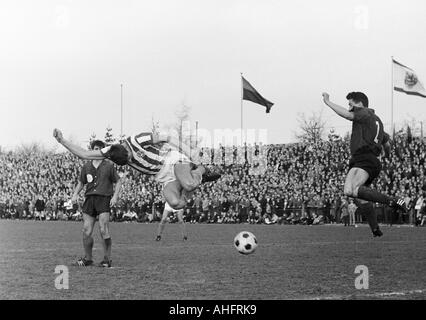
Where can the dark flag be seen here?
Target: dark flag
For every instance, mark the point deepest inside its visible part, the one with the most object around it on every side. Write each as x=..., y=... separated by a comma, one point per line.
x=250, y=93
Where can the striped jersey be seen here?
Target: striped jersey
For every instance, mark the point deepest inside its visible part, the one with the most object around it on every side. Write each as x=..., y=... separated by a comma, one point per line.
x=147, y=157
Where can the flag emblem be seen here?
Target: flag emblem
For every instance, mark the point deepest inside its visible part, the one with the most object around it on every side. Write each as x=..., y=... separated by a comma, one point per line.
x=406, y=80
x=410, y=79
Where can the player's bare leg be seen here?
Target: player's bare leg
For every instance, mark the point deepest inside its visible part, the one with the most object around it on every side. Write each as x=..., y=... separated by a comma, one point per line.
x=106, y=238
x=189, y=179
x=88, y=224
x=355, y=179
x=190, y=176
x=354, y=187
x=182, y=225
x=173, y=195
x=162, y=225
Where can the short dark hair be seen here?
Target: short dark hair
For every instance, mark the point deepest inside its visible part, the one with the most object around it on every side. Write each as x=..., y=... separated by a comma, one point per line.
x=358, y=97
x=118, y=154
x=97, y=143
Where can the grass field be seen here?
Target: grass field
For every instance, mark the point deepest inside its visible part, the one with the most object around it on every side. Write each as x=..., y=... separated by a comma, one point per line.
x=291, y=262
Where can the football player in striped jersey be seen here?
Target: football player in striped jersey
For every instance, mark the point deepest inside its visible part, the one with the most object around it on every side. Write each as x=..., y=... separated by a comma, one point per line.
x=159, y=155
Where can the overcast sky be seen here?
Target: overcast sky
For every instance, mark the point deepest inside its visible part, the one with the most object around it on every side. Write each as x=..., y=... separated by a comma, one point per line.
x=62, y=63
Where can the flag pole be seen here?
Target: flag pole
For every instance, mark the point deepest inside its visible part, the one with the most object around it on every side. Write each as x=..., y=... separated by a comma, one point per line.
x=242, y=94
x=392, y=86
x=196, y=134
x=121, y=117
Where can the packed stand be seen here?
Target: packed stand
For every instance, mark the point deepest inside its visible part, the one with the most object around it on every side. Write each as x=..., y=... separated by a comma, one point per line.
x=275, y=184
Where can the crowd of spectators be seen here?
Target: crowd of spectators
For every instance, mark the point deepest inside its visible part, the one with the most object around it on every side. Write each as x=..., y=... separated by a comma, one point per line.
x=297, y=183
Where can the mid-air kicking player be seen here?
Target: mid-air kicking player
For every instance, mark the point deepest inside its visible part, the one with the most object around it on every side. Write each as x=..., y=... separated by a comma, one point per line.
x=367, y=139
x=152, y=154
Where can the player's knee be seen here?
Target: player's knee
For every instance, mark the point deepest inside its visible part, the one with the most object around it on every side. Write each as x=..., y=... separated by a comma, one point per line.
x=174, y=202
x=87, y=231
x=189, y=185
x=104, y=233
x=348, y=191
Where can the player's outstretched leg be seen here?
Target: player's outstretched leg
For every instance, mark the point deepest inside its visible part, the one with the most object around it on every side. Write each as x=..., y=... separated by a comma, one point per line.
x=367, y=209
x=191, y=176
x=162, y=224
x=182, y=225
x=355, y=188
x=355, y=181
x=369, y=194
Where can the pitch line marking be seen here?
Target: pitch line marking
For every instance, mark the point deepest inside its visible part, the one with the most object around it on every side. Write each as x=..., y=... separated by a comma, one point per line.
x=153, y=246
x=371, y=295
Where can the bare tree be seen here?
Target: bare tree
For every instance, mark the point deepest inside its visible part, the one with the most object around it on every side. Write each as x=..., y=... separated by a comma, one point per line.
x=311, y=128
x=109, y=137
x=91, y=139
x=155, y=126
x=32, y=148
x=181, y=128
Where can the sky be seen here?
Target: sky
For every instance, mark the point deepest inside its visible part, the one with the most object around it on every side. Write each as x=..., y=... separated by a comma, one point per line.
x=62, y=63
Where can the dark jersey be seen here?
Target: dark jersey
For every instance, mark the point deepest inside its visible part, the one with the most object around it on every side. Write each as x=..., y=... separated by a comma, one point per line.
x=368, y=135
x=99, y=180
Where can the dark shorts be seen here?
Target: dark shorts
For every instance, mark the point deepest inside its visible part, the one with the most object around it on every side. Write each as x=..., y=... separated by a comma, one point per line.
x=94, y=205
x=368, y=162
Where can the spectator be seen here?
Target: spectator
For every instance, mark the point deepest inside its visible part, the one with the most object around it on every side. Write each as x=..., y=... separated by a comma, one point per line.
x=344, y=208
x=351, y=211
x=40, y=206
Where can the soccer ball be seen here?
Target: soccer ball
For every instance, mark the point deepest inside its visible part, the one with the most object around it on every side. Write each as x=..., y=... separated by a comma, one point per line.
x=245, y=242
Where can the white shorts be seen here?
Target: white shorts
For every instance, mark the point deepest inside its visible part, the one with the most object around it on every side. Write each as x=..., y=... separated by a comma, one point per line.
x=167, y=172
x=168, y=208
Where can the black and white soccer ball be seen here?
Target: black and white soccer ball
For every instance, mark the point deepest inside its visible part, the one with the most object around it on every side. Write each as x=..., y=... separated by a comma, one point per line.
x=245, y=242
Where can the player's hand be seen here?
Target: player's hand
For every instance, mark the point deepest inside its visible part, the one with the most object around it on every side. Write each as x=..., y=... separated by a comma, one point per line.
x=113, y=201
x=57, y=134
x=326, y=97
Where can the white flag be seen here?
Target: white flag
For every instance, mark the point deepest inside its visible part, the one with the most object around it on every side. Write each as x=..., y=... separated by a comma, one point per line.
x=406, y=80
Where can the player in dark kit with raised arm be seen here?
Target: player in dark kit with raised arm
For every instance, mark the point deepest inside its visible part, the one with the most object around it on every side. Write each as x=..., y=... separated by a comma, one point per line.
x=367, y=140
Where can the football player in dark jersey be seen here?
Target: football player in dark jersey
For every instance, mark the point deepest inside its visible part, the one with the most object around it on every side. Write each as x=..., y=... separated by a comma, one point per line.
x=159, y=155
x=367, y=140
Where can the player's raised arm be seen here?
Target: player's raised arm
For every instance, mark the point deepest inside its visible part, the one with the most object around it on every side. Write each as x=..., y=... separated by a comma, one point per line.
x=338, y=109
x=77, y=150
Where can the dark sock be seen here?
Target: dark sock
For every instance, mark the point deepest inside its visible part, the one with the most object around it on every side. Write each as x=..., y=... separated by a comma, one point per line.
x=370, y=214
x=88, y=246
x=368, y=194
x=108, y=244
